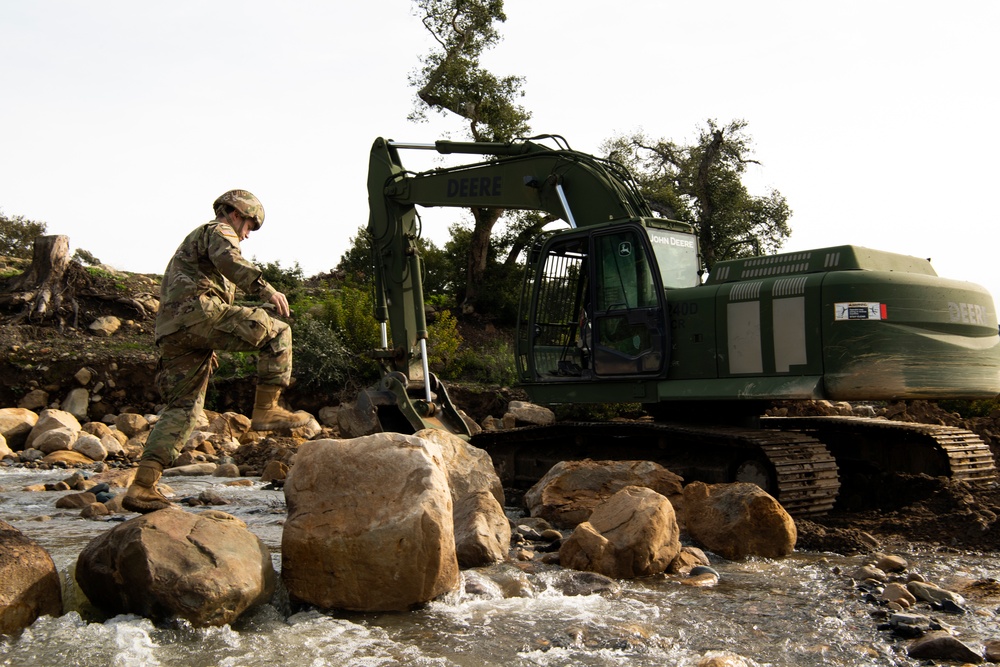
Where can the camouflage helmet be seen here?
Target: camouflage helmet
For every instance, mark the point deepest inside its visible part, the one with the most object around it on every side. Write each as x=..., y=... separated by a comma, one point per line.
x=245, y=204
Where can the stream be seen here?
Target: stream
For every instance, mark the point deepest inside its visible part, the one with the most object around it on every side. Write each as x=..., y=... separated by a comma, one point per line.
x=802, y=610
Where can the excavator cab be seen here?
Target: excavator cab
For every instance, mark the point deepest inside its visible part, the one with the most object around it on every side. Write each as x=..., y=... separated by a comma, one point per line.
x=595, y=301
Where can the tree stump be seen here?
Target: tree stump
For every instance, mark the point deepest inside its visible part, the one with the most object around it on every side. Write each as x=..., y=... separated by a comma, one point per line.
x=42, y=288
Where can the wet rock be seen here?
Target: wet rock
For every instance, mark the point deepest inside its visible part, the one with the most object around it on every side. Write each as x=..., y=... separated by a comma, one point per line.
x=193, y=470
x=206, y=568
x=586, y=583
x=723, y=659
x=227, y=470
x=898, y=593
x=632, y=534
x=29, y=582
x=933, y=594
x=360, y=508
x=66, y=457
x=16, y=425
x=570, y=490
x=274, y=470
x=95, y=510
x=866, y=572
x=940, y=645
x=687, y=559
x=892, y=564
x=738, y=520
x=482, y=531
x=76, y=500
x=911, y=625
x=701, y=577
x=991, y=650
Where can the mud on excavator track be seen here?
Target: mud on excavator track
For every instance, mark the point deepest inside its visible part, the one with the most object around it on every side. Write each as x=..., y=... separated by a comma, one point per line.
x=798, y=460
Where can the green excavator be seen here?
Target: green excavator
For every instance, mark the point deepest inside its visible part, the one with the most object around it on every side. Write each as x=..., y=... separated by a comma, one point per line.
x=615, y=308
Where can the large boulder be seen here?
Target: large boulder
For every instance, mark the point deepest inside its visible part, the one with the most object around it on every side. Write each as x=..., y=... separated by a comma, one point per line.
x=15, y=425
x=206, y=568
x=738, y=520
x=632, y=534
x=29, y=582
x=567, y=494
x=482, y=531
x=369, y=525
x=51, y=420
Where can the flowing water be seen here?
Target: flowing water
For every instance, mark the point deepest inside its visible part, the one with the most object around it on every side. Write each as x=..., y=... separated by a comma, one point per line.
x=802, y=610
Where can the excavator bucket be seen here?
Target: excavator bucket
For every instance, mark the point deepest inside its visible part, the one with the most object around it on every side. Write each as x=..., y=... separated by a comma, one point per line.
x=397, y=406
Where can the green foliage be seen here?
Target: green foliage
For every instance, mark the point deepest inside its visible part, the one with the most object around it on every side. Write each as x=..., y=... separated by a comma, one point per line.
x=18, y=234
x=452, y=79
x=701, y=183
x=597, y=412
x=443, y=343
x=321, y=360
x=983, y=407
x=235, y=365
x=490, y=363
x=288, y=281
x=498, y=291
x=84, y=257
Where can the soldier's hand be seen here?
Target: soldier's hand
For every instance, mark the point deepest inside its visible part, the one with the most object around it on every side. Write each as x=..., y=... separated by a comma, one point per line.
x=281, y=303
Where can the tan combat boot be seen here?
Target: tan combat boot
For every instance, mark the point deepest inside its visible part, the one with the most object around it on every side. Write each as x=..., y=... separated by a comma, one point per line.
x=269, y=416
x=142, y=495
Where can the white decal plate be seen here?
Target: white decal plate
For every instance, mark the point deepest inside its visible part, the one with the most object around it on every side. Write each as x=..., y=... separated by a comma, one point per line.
x=859, y=310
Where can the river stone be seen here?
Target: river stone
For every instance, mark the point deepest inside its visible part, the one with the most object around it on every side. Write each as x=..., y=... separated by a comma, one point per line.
x=29, y=582
x=632, y=534
x=193, y=470
x=90, y=446
x=36, y=399
x=482, y=530
x=50, y=420
x=76, y=500
x=369, y=525
x=569, y=491
x=206, y=568
x=67, y=457
x=16, y=425
x=933, y=594
x=6, y=451
x=131, y=424
x=688, y=559
x=896, y=592
x=738, y=520
x=525, y=413
x=76, y=403
x=939, y=645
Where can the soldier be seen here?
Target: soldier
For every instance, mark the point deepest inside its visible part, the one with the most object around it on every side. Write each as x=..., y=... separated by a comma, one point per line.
x=197, y=317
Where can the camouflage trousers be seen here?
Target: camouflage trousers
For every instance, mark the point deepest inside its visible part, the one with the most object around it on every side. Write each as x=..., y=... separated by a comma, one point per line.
x=187, y=358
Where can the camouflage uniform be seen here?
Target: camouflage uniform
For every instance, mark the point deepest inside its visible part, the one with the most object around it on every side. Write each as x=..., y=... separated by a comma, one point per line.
x=196, y=317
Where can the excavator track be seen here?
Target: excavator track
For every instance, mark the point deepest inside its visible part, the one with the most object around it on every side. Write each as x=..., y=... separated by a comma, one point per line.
x=795, y=468
x=894, y=446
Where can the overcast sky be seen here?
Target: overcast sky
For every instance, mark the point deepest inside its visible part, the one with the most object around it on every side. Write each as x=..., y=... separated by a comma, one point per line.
x=122, y=121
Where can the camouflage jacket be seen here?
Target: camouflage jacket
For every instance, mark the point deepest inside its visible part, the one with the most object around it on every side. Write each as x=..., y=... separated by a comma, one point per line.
x=202, y=277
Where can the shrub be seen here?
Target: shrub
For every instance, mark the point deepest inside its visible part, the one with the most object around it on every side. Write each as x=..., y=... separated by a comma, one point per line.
x=320, y=359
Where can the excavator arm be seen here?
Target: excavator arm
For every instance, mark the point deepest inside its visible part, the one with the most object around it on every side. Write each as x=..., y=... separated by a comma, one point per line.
x=578, y=188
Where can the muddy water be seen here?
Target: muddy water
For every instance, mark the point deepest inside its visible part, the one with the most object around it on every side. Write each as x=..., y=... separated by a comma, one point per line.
x=798, y=611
